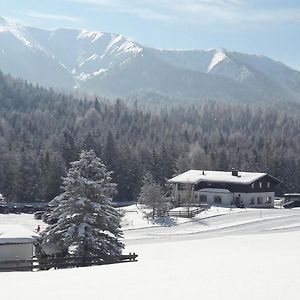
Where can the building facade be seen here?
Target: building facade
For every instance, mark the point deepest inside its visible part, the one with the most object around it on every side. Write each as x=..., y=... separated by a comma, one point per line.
x=242, y=189
x=16, y=243
x=291, y=200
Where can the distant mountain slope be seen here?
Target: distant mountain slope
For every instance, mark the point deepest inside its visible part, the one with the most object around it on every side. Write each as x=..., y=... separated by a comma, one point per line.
x=23, y=56
x=147, y=73
x=114, y=65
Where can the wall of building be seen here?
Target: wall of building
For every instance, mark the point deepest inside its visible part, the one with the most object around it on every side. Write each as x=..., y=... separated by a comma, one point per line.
x=264, y=199
x=214, y=196
x=184, y=196
x=291, y=197
x=264, y=184
x=16, y=251
x=224, y=197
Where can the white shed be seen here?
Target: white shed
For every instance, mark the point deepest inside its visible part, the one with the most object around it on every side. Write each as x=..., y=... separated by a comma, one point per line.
x=16, y=243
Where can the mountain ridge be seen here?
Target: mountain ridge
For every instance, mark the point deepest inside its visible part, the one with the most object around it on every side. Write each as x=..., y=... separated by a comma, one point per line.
x=114, y=65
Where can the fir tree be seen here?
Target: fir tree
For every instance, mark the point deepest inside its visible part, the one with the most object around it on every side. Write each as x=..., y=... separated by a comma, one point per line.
x=87, y=222
x=165, y=139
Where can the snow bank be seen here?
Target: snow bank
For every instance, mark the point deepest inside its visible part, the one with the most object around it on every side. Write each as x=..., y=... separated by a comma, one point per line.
x=227, y=254
x=240, y=267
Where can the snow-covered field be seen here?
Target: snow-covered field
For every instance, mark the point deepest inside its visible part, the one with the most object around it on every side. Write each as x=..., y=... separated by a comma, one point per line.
x=220, y=254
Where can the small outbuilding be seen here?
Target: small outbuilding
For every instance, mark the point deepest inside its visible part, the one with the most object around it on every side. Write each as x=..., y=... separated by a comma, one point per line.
x=16, y=243
x=291, y=200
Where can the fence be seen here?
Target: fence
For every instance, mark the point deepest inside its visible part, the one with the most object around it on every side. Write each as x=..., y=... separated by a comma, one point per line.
x=186, y=213
x=63, y=262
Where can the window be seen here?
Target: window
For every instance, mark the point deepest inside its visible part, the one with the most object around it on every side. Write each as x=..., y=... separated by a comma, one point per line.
x=268, y=199
x=259, y=200
x=268, y=185
x=182, y=187
x=203, y=198
x=217, y=199
x=260, y=185
x=253, y=185
x=252, y=201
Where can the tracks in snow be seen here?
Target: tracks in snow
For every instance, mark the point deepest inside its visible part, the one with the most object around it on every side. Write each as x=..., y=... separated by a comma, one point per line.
x=241, y=223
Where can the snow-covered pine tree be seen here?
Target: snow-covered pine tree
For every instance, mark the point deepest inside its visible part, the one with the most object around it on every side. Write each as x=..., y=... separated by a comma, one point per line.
x=151, y=194
x=87, y=222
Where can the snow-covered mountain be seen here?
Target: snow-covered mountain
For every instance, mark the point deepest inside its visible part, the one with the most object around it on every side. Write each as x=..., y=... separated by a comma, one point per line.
x=114, y=65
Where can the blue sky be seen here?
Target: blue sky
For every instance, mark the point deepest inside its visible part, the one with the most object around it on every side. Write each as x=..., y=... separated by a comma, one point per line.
x=269, y=27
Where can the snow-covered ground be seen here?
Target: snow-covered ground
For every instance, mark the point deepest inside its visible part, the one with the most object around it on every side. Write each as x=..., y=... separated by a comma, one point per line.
x=25, y=220
x=220, y=254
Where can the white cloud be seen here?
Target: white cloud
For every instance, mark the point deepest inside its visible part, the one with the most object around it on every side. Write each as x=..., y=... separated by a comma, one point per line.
x=198, y=11
x=54, y=17
x=142, y=9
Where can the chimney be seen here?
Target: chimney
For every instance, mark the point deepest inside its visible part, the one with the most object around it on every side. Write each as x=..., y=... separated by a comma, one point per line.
x=203, y=172
x=235, y=172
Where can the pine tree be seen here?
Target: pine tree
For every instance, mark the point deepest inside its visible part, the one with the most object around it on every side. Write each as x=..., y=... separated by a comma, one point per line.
x=87, y=222
x=151, y=195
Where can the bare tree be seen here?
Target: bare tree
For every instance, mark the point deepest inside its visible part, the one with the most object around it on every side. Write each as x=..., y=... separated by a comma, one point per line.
x=151, y=195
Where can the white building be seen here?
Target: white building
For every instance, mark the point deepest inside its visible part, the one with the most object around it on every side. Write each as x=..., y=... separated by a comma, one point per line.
x=16, y=243
x=244, y=189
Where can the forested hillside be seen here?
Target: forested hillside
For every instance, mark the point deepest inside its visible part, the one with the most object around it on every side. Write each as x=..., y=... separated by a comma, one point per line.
x=41, y=132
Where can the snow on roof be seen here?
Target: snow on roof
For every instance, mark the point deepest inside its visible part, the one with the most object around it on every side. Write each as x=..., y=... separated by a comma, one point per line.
x=211, y=190
x=195, y=176
x=15, y=234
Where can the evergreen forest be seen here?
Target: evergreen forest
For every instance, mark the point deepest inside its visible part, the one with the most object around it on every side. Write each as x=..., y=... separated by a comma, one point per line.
x=42, y=131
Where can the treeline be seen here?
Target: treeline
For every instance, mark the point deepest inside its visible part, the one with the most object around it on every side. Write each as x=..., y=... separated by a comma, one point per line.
x=41, y=132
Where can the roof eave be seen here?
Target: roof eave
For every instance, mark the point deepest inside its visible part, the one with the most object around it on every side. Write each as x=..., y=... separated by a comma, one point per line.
x=214, y=181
